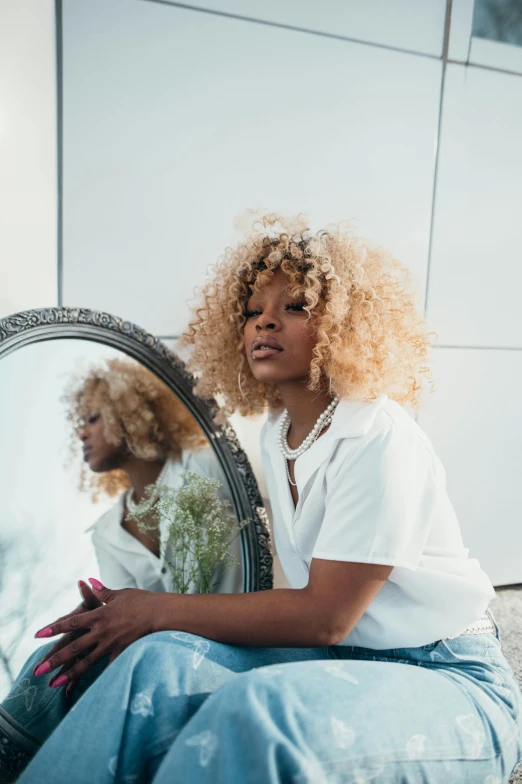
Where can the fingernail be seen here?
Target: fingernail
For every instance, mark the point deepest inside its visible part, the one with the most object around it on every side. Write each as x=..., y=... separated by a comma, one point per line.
x=68, y=690
x=80, y=583
x=60, y=681
x=47, y=632
x=96, y=584
x=43, y=668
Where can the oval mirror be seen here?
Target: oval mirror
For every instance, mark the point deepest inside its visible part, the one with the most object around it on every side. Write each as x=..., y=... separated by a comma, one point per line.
x=93, y=411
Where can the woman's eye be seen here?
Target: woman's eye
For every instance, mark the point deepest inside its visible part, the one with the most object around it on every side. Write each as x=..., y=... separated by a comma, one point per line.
x=92, y=419
x=250, y=313
x=295, y=306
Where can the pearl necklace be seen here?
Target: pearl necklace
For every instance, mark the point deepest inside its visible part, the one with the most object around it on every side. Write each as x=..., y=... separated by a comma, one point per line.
x=323, y=421
x=132, y=505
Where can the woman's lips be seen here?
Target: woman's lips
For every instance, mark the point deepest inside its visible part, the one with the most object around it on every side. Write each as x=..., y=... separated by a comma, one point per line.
x=266, y=353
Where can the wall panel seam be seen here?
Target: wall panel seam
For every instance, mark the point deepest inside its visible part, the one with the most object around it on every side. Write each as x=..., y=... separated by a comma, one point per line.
x=294, y=28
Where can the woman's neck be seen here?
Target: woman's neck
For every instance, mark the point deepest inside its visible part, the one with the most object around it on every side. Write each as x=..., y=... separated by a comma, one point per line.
x=304, y=408
x=141, y=474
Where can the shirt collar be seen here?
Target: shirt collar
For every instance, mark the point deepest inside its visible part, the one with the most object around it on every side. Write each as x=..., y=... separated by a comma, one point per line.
x=351, y=419
x=107, y=518
x=354, y=418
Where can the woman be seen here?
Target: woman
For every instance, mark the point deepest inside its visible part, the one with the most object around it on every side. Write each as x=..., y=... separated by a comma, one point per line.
x=314, y=683
x=135, y=433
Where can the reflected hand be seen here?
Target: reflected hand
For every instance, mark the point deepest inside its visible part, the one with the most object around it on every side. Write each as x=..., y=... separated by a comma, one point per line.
x=90, y=602
x=124, y=617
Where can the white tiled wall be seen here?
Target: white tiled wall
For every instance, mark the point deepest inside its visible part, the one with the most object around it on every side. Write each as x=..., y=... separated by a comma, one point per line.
x=177, y=119
x=476, y=275
x=28, y=195
x=163, y=151
x=474, y=421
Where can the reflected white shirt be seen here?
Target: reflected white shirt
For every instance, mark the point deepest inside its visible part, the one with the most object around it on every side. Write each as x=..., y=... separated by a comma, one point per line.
x=372, y=490
x=125, y=562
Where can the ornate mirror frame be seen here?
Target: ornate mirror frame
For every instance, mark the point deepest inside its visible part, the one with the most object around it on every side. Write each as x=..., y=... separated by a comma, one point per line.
x=35, y=326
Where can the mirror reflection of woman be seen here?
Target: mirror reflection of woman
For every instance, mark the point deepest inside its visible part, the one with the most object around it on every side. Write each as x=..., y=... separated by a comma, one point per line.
x=313, y=683
x=134, y=433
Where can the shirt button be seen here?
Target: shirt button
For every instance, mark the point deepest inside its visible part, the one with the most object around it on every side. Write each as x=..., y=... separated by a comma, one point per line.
x=164, y=570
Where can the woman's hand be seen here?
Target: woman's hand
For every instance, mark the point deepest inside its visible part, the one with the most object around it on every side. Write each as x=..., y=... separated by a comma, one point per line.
x=90, y=602
x=125, y=616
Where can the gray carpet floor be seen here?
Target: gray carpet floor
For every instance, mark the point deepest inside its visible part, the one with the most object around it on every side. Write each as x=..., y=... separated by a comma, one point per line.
x=507, y=609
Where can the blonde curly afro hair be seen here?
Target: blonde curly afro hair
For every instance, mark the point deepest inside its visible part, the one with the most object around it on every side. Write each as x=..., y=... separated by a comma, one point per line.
x=371, y=338
x=138, y=411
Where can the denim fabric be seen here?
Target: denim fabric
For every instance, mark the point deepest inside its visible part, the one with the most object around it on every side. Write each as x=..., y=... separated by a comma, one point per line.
x=177, y=707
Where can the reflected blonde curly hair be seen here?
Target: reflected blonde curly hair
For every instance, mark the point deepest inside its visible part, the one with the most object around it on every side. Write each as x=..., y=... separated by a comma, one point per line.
x=138, y=411
x=371, y=338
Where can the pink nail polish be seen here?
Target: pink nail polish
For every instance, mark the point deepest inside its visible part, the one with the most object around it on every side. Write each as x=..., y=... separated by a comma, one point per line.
x=47, y=632
x=96, y=584
x=80, y=583
x=60, y=681
x=43, y=668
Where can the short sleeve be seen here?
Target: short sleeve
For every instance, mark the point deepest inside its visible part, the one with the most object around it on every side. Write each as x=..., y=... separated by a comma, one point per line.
x=380, y=503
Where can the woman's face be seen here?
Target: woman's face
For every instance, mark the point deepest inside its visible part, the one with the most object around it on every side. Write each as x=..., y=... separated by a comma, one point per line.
x=278, y=338
x=97, y=451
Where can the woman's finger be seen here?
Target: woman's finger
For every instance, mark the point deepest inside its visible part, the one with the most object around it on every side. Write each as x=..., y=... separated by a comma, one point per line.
x=64, y=640
x=73, y=623
x=66, y=657
x=104, y=594
x=65, y=668
x=80, y=667
x=89, y=599
x=61, y=643
x=90, y=602
x=77, y=611
x=70, y=687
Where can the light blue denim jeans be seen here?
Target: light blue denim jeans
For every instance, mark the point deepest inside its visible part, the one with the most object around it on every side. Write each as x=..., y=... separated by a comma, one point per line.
x=175, y=707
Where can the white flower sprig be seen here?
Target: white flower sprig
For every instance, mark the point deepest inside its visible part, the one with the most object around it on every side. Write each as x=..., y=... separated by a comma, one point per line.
x=200, y=528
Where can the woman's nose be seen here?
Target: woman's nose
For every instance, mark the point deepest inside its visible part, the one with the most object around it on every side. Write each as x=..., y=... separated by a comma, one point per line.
x=267, y=321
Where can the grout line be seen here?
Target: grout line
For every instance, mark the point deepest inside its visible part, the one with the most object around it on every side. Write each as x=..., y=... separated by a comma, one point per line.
x=308, y=30
x=470, y=38
x=447, y=25
x=294, y=28
x=59, y=148
x=486, y=68
x=482, y=348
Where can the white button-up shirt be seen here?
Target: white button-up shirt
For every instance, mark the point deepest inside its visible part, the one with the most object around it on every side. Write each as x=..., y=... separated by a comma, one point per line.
x=372, y=490
x=126, y=563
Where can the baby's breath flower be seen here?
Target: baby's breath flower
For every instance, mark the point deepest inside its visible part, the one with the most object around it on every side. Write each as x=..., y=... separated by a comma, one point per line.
x=200, y=527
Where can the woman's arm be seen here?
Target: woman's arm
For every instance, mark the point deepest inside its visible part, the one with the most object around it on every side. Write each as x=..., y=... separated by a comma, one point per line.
x=323, y=613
